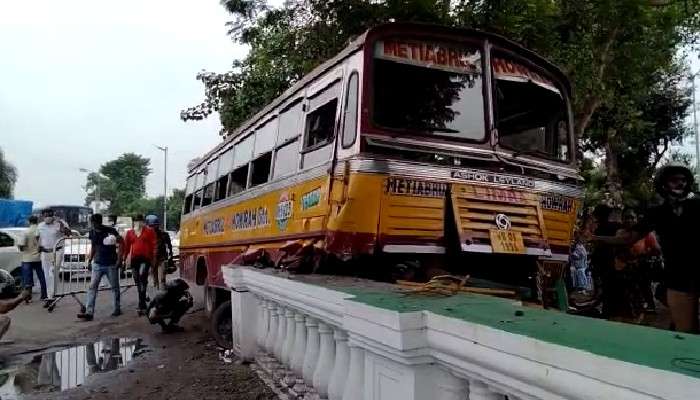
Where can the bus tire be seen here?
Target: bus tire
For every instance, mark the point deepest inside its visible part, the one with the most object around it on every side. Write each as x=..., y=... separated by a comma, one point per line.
x=222, y=325
x=210, y=299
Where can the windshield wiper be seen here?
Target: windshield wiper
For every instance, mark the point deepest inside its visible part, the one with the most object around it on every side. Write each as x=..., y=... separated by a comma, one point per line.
x=517, y=154
x=438, y=129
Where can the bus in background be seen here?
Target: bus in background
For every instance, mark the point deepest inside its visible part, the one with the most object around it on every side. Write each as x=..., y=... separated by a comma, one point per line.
x=77, y=217
x=439, y=146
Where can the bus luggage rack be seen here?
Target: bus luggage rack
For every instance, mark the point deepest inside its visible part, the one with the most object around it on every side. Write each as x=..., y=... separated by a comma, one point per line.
x=72, y=271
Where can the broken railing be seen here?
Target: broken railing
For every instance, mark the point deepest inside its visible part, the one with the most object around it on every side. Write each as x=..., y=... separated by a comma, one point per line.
x=317, y=340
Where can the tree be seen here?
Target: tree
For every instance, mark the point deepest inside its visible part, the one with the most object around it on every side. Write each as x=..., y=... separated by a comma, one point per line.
x=8, y=177
x=154, y=205
x=122, y=184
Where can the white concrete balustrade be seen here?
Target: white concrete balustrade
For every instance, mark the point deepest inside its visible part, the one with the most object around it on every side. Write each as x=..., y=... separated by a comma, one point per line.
x=319, y=343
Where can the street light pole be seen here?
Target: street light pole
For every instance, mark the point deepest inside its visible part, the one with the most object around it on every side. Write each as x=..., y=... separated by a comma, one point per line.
x=164, y=149
x=695, y=128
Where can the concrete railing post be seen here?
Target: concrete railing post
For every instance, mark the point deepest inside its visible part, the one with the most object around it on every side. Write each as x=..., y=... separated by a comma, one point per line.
x=288, y=344
x=326, y=359
x=281, y=332
x=271, y=337
x=336, y=385
x=312, y=349
x=297, y=362
x=355, y=385
x=264, y=322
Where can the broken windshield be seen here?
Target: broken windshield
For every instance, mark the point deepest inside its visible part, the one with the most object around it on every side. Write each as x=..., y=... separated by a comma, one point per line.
x=531, y=112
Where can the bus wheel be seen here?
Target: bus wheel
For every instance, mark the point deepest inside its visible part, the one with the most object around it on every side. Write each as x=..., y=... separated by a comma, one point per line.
x=222, y=325
x=209, y=299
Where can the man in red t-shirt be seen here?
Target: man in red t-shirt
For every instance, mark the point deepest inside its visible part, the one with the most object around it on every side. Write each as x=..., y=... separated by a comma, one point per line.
x=140, y=249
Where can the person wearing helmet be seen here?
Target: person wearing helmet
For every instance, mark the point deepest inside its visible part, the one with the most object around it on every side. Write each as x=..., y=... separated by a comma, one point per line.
x=676, y=223
x=164, y=251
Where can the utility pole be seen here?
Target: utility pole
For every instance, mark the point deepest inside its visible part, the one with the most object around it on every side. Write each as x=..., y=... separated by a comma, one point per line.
x=695, y=128
x=164, y=149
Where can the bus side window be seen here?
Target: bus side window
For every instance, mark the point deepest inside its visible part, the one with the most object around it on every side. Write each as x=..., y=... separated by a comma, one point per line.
x=350, y=121
x=320, y=123
x=189, y=195
x=287, y=151
x=261, y=169
x=210, y=187
x=242, y=153
x=265, y=138
x=319, y=127
x=225, y=164
x=238, y=181
x=198, y=184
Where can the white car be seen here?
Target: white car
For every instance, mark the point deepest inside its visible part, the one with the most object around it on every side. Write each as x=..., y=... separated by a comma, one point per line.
x=10, y=261
x=76, y=251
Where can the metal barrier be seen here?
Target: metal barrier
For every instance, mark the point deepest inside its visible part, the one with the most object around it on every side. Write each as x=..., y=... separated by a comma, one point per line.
x=72, y=272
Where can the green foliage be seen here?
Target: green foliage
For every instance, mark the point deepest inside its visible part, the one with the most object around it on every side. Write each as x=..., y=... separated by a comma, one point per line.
x=154, y=205
x=122, y=183
x=8, y=177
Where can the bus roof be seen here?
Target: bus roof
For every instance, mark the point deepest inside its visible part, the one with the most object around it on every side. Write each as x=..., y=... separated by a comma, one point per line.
x=357, y=44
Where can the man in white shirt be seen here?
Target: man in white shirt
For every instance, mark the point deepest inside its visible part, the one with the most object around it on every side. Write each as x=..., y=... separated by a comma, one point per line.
x=31, y=258
x=50, y=232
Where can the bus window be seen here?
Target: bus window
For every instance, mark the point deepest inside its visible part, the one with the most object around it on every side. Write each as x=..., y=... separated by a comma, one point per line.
x=261, y=169
x=239, y=180
x=320, y=123
x=265, y=138
x=440, y=96
x=199, y=182
x=242, y=154
x=286, y=159
x=210, y=187
x=289, y=123
x=531, y=113
x=225, y=165
x=320, y=127
x=287, y=152
x=350, y=121
x=189, y=189
x=243, y=151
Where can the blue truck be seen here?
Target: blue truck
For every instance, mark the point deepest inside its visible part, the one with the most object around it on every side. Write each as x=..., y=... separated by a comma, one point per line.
x=14, y=213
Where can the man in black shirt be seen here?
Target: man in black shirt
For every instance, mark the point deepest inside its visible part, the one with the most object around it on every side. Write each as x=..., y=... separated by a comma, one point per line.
x=104, y=257
x=677, y=225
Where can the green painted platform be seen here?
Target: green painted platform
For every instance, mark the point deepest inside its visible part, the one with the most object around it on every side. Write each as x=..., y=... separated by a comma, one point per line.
x=664, y=350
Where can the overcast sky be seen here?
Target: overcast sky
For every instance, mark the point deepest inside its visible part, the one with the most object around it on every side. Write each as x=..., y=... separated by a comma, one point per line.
x=83, y=81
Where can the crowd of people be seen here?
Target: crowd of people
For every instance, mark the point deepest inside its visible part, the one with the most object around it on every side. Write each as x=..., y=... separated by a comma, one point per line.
x=618, y=257
x=145, y=249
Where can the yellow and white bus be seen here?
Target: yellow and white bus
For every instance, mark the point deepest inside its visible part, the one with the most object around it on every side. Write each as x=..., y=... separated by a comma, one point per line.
x=414, y=142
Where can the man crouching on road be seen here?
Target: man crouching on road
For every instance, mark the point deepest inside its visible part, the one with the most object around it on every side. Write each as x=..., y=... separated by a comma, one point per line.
x=105, y=259
x=9, y=305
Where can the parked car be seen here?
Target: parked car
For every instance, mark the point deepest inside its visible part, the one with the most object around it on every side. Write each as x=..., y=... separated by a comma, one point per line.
x=76, y=251
x=10, y=261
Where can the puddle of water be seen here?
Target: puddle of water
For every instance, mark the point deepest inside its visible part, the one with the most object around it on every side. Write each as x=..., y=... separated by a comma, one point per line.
x=66, y=368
